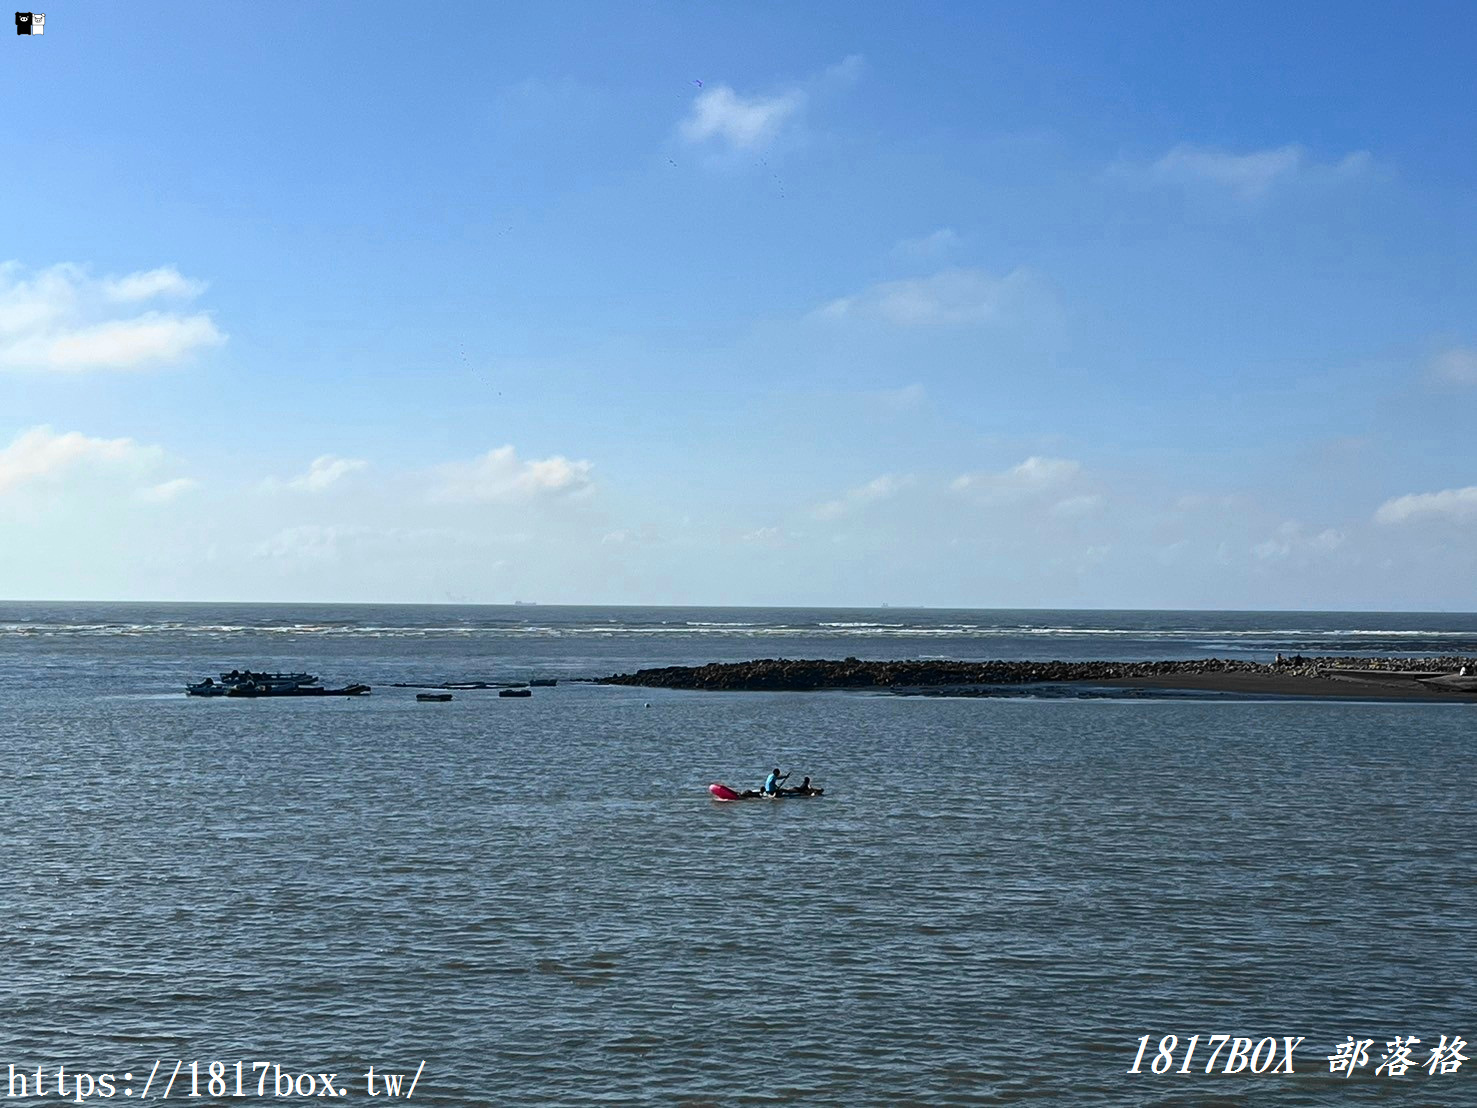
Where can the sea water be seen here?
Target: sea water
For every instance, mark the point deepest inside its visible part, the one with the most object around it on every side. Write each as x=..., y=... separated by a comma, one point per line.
x=536, y=901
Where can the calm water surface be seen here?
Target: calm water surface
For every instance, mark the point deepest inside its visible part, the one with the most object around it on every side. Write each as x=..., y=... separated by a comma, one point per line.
x=992, y=902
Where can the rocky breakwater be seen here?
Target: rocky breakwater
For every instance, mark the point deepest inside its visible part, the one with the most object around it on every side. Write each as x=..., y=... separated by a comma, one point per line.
x=809, y=674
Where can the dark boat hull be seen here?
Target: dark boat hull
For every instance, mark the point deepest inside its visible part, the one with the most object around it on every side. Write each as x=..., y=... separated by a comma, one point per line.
x=249, y=692
x=721, y=791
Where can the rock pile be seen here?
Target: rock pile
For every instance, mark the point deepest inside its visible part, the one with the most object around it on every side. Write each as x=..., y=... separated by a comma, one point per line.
x=809, y=674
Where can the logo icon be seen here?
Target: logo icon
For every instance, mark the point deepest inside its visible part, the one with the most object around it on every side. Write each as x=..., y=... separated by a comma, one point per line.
x=30, y=23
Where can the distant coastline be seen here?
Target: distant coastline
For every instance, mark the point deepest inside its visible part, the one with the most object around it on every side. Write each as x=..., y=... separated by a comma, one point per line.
x=1363, y=678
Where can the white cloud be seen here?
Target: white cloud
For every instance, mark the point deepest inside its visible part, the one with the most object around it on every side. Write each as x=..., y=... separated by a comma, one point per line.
x=324, y=472
x=124, y=344
x=743, y=123
x=929, y=246
x=1076, y=506
x=311, y=544
x=499, y=475
x=880, y=488
x=1457, y=366
x=1036, y=476
x=764, y=536
x=1248, y=176
x=1450, y=503
x=166, y=491
x=751, y=123
x=41, y=455
x=950, y=297
x=27, y=306
x=846, y=72
x=61, y=319
x=1291, y=539
x=147, y=284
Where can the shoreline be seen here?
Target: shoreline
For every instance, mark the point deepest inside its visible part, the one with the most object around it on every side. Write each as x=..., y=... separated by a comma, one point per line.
x=1373, y=686
x=1424, y=679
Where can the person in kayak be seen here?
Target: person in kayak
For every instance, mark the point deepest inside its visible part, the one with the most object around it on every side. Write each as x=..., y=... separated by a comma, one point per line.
x=772, y=782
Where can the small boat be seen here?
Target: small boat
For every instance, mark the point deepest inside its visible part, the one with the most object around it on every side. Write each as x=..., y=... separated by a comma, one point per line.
x=252, y=683
x=274, y=684
x=544, y=682
x=440, y=697
x=515, y=692
x=721, y=791
x=255, y=690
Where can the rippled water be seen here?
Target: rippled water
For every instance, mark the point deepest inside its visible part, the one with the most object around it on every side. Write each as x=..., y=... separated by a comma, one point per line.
x=993, y=901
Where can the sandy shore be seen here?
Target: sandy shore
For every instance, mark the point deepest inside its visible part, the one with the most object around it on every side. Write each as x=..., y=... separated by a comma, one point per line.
x=1347, y=678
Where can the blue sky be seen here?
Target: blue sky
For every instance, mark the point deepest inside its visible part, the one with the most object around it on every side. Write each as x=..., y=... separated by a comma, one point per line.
x=952, y=304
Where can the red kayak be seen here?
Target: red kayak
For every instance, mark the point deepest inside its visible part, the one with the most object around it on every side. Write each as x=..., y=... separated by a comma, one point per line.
x=721, y=791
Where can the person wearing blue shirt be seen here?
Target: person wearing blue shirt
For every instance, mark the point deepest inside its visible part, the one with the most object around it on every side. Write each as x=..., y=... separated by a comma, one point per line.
x=772, y=782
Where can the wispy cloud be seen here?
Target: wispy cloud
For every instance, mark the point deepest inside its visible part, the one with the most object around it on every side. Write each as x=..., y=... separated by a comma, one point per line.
x=1077, y=506
x=743, y=123
x=1457, y=366
x=499, y=475
x=148, y=284
x=1035, y=478
x=308, y=544
x=154, y=337
x=1250, y=176
x=61, y=319
x=41, y=455
x=1454, y=504
x=1293, y=540
x=748, y=123
x=880, y=488
x=845, y=73
x=167, y=491
x=764, y=536
x=324, y=472
x=950, y=297
x=928, y=247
